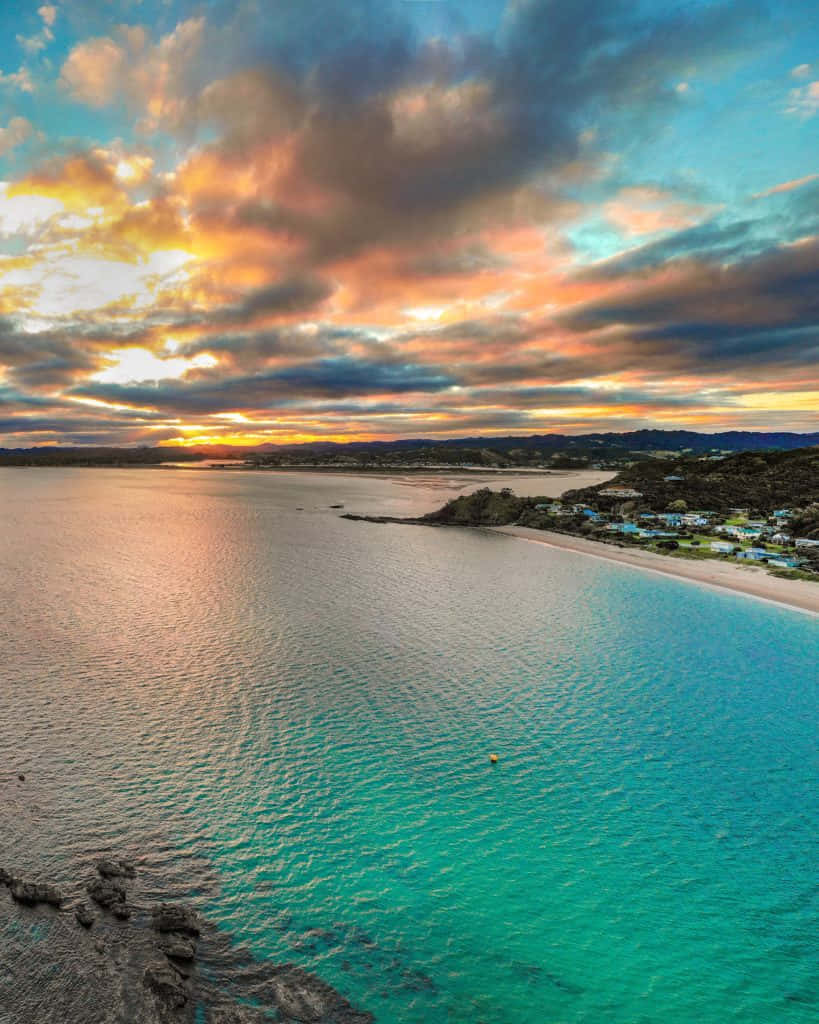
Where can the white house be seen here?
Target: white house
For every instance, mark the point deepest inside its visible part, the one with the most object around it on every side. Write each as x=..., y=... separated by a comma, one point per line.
x=806, y=542
x=722, y=547
x=621, y=492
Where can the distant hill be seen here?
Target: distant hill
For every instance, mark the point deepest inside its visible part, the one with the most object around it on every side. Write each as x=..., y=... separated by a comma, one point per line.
x=52, y=455
x=554, y=451
x=631, y=441
x=758, y=480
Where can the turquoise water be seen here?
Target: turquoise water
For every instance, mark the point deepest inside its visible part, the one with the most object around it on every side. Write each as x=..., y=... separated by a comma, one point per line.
x=296, y=713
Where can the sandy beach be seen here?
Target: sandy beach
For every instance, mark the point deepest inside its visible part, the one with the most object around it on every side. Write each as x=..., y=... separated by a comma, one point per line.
x=750, y=580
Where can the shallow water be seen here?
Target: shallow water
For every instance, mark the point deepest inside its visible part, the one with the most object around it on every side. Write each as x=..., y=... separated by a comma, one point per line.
x=290, y=716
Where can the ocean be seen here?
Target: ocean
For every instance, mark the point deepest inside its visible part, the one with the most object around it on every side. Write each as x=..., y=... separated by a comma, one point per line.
x=287, y=718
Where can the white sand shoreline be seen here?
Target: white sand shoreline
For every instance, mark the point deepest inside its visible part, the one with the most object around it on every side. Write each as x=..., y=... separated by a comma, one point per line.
x=751, y=581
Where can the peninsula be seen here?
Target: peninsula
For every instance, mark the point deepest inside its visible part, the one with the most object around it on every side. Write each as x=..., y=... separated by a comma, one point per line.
x=747, y=522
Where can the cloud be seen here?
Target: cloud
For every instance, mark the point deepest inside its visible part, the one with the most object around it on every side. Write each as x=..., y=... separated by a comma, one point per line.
x=209, y=393
x=323, y=222
x=755, y=314
x=16, y=132
x=154, y=78
x=32, y=45
x=641, y=210
x=786, y=186
x=804, y=101
x=20, y=79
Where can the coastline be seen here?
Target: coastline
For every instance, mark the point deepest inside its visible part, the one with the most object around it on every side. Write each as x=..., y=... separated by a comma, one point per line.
x=748, y=580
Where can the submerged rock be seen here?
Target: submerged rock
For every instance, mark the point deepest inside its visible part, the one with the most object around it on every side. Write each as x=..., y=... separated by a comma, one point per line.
x=32, y=893
x=165, y=983
x=307, y=998
x=84, y=915
x=235, y=1015
x=6, y=877
x=110, y=867
x=177, y=948
x=173, y=917
x=107, y=892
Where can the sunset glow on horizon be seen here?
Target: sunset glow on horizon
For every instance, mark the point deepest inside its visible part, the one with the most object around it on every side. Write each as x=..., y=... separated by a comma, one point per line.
x=245, y=223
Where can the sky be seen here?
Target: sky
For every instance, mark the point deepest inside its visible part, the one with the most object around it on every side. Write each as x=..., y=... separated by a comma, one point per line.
x=274, y=221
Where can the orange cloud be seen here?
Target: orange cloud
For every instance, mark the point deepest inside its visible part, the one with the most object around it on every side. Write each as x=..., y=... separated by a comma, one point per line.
x=786, y=186
x=638, y=210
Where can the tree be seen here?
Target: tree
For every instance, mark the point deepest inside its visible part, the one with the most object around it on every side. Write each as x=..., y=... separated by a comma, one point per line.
x=678, y=506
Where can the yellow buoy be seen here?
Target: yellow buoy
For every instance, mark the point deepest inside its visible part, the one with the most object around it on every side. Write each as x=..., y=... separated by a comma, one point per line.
x=493, y=758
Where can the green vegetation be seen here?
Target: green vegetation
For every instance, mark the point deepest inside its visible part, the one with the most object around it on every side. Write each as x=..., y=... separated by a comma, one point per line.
x=482, y=508
x=54, y=456
x=758, y=481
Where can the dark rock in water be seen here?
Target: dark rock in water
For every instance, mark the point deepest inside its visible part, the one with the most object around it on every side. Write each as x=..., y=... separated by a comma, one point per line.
x=417, y=981
x=107, y=892
x=307, y=998
x=6, y=877
x=173, y=917
x=177, y=947
x=32, y=893
x=99, y=945
x=121, y=911
x=235, y=1015
x=84, y=915
x=336, y=506
x=21, y=777
x=162, y=980
x=110, y=867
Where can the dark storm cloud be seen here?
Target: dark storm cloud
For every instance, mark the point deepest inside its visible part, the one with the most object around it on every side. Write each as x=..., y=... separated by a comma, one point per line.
x=325, y=377
x=51, y=359
x=706, y=318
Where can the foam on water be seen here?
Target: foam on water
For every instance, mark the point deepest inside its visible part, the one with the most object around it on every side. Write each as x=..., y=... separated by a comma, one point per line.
x=291, y=716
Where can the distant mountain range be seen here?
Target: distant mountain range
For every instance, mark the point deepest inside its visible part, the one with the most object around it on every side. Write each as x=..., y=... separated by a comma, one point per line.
x=554, y=450
x=634, y=441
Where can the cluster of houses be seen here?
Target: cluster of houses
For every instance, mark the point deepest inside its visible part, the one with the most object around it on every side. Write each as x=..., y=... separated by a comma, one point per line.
x=743, y=540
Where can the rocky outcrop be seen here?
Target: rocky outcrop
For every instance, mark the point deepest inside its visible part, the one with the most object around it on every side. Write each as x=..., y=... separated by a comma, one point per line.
x=83, y=915
x=305, y=997
x=176, y=947
x=151, y=964
x=235, y=1015
x=174, y=917
x=108, y=893
x=32, y=893
x=110, y=867
x=166, y=984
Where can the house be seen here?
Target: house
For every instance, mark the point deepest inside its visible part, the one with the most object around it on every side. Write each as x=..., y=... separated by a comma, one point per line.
x=621, y=492
x=753, y=554
x=722, y=547
x=805, y=542
x=673, y=479
x=778, y=562
x=740, y=532
x=782, y=513
x=781, y=538
x=671, y=518
x=694, y=519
